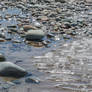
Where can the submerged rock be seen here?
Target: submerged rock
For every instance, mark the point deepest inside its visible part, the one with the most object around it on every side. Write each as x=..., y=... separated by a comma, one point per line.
x=34, y=35
x=8, y=69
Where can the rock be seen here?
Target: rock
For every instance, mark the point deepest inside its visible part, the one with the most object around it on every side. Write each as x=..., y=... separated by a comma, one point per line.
x=65, y=36
x=35, y=44
x=2, y=57
x=16, y=41
x=37, y=24
x=61, y=1
x=88, y=1
x=2, y=40
x=7, y=85
x=8, y=69
x=28, y=27
x=32, y=80
x=12, y=28
x=66, y=25
x=16, y=81
x=43, y=18
x=34, y=35
x=2, y=35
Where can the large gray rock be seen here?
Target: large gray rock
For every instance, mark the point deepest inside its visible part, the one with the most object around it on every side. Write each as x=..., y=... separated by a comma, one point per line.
x=8, y=69
x=34, y=35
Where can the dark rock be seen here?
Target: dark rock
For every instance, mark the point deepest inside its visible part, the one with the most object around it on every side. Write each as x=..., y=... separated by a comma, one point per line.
x=34, y=35
x=8, y=69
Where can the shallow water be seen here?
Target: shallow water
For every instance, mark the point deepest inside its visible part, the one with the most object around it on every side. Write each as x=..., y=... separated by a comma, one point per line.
x=66, y=69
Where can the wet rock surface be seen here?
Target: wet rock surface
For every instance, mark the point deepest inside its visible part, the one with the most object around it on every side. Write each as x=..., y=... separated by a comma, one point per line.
x=8, y=69
x=62, y=59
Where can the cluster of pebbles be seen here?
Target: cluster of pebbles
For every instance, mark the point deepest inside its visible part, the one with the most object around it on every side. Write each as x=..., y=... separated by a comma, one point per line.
x=35, y=22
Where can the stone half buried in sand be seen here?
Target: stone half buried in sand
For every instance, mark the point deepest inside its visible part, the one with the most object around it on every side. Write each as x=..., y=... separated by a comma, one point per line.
x=8, y=69
x=34, y=35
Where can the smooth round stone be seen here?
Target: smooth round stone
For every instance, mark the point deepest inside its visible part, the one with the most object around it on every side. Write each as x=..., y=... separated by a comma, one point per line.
x=2, y=57
x=34, y=35
x=8, y=69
